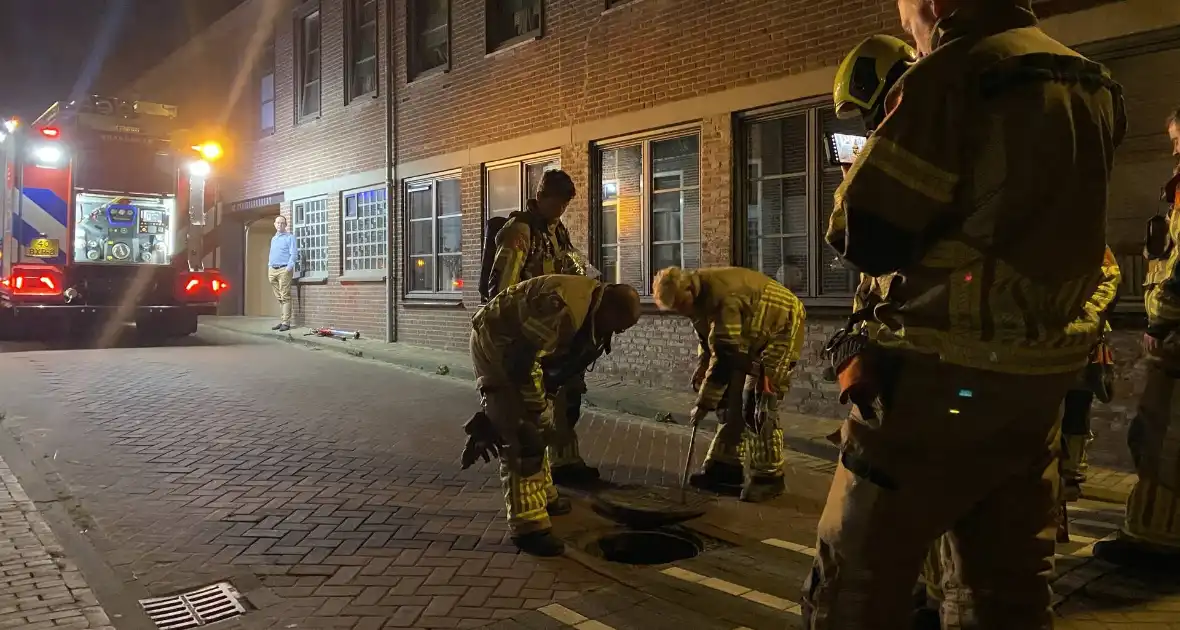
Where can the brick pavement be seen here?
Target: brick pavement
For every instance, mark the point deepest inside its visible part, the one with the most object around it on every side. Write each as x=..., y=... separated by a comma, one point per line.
x=39, y=586
x=804, y=433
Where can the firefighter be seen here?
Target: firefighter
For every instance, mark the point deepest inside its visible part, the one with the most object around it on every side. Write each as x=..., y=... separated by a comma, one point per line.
x=536, y=332
x=751, y=333
x=536, y=243
x=993, y=311
x=1151, y=532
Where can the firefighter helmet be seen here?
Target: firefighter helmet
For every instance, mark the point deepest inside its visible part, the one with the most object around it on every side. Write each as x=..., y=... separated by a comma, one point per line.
x=867, y=74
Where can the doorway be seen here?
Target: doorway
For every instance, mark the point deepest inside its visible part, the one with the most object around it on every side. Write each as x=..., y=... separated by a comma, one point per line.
x=259, y=299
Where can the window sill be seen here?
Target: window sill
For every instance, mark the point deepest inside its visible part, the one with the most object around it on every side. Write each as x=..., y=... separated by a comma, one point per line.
x=358, y=278
x=362, y=100
x=433, y=300
x=312, y=280
x=310, y=120
x=513, y=44
x=426, y=75
x=621, y=6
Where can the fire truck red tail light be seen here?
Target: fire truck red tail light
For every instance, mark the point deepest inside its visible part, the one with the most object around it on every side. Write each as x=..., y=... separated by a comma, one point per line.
x=50, y=132
x=192, y=285
x=33, y=280
x=219, y=285
x=201, y=286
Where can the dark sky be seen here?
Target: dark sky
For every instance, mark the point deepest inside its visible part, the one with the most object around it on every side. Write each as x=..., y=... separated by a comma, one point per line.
x=51, y=48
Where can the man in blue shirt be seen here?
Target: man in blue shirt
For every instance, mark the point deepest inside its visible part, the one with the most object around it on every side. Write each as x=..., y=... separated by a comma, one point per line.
x=283, y=254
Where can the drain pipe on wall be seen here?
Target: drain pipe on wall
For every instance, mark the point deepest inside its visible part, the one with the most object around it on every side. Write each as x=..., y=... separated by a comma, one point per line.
x=392, y=203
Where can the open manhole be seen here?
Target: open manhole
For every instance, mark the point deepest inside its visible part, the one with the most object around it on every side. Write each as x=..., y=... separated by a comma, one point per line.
x=647, y=547
x=194, y=609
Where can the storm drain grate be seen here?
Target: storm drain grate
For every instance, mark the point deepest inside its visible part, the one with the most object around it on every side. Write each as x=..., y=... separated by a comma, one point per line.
x=201, y=607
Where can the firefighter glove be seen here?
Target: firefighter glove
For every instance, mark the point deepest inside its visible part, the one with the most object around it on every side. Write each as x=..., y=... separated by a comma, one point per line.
x=482, y=440
x=696, y=415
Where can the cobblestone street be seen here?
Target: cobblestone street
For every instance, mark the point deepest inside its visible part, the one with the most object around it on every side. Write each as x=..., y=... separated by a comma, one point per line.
x=326, y=489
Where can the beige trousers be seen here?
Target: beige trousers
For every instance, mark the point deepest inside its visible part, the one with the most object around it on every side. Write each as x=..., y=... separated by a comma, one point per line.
x=280, y=283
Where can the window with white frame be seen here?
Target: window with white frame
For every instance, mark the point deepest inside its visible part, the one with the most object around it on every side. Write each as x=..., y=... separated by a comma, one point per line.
x=266, y=89
x=788, y=190
x=435, y=235
x=309, y=224
x=362, y=48
x=363, y=231
x=429, y=47
x=308, y=91
x=510, y=185
x=649, y=214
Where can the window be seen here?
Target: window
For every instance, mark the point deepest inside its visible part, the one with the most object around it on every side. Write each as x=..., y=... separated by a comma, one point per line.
x=361, y=74
x=512, y=21
x=308, y=64
x=309, y=220
x=364, y=232
x=788, y=189
x=610, y=4
x=267, y=89
x=435, y=236
x=509, y=186
x=649, y=208
x=428, y=22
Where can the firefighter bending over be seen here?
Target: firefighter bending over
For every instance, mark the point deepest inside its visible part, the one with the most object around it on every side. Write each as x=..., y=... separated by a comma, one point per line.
x=536, y=243
x=986, y=325
x=524, y=344
x=751, y=333
x=1150, y=536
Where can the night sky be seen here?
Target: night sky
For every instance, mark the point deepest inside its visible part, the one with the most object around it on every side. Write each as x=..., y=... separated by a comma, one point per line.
x=51, y=49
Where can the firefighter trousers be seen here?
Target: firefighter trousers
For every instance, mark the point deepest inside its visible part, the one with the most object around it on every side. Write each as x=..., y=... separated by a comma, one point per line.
x=969, y=453
x=524, y=469
x=753, y=438
x=1153, y=509
x=567, y=410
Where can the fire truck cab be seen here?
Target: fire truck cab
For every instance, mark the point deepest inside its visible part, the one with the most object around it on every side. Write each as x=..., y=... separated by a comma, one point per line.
x=101, y=202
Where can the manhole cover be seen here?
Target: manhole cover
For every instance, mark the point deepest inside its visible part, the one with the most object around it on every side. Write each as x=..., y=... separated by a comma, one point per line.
x=646, y=507
x=194, y=609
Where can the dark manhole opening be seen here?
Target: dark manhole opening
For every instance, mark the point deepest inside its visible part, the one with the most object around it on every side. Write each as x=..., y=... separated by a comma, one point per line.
x=648, y=547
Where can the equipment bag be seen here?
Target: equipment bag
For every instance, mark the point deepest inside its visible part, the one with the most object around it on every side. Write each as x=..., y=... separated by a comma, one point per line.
x=495, y=224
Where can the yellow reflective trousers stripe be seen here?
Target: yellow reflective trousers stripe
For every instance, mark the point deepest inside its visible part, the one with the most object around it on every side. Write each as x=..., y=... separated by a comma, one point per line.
x=526, y=498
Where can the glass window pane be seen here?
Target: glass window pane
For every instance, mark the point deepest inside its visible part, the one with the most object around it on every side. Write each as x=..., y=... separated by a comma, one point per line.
x=610, y=264
x=624, y=167
x=666, y=217
x=784, y=206
x=533, y=173
x=610, y=226
x=448, y=197
x=785, y=260
x=665, y=256
x=503, y=190
x=778, y=146
x=421, y=274
x=311, y=99
x=450, y=235
x=268, y=87
x=421, y=203
x=268, y=115
x=421, y=238
x=676, y=155
x=450, y=273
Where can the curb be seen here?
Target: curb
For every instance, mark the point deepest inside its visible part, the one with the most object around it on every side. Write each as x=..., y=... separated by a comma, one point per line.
x=815, y=446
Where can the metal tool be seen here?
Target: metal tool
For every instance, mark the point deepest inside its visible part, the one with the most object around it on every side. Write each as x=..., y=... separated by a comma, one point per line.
x=692, y=442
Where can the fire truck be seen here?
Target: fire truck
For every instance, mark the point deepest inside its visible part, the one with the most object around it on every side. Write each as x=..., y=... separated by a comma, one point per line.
x=101, y=213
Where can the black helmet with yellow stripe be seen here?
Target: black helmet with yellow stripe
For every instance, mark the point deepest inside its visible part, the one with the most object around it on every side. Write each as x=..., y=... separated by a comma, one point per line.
x=867, y=74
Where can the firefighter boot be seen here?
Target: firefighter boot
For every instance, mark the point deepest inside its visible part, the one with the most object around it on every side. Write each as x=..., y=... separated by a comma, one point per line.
x=760, y=488
x=575, y=474
x=719, y=477
x=540, y=543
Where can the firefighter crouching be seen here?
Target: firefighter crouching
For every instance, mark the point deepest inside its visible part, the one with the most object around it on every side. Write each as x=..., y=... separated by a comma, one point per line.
x=751, y=333
x=563, y=323
x=986, y=324
x=536, y=243
x=1150, y=536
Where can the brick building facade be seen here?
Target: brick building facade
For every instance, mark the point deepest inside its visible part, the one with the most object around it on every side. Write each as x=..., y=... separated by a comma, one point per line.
x=693, y=131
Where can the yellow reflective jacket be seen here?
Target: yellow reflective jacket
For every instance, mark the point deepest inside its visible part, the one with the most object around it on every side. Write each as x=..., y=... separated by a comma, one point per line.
x=534, y=321
x=738, y=313
x=1162, y=298
x=527, y=247
x=985, y=190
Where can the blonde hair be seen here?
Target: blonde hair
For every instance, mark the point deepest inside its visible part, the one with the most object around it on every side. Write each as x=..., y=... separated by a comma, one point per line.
x=667, y=286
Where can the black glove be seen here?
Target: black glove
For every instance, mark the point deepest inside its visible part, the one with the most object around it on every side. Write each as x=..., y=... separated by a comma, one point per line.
x=482, y=440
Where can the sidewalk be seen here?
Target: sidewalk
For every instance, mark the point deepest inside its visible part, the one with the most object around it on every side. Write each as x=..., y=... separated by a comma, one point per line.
x=802, y=433
x=39, y=586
